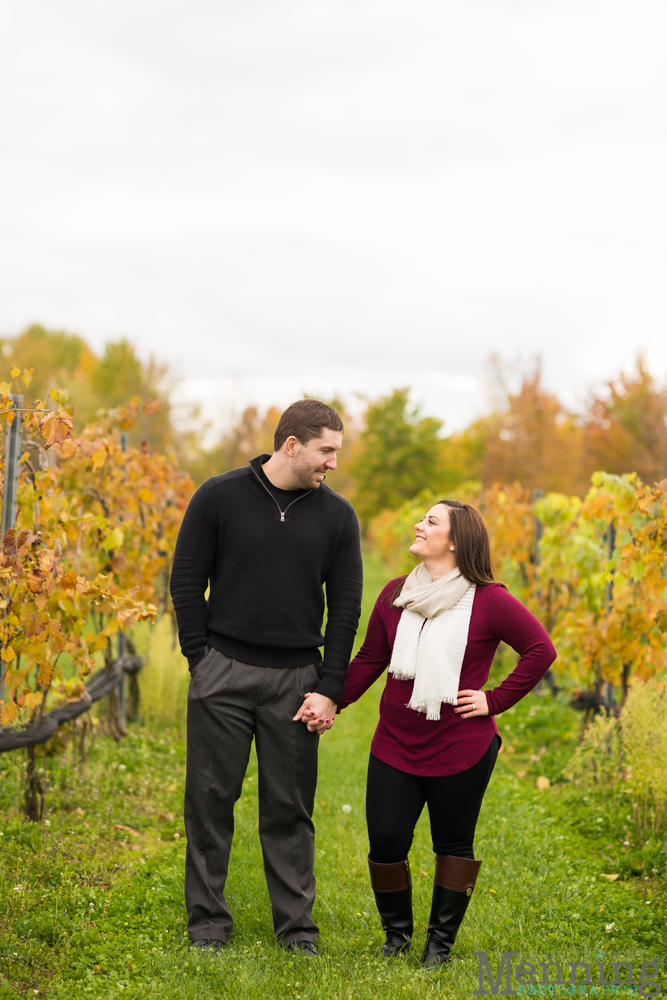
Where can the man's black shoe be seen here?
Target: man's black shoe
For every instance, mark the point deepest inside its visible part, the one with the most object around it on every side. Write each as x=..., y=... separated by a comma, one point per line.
x=306, y=948
x=208, y=944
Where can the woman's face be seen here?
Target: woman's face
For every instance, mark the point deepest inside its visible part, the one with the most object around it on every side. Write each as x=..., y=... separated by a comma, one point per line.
x=432, y=535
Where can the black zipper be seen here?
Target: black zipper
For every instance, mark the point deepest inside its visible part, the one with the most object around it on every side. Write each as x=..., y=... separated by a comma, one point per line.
x=281, y=512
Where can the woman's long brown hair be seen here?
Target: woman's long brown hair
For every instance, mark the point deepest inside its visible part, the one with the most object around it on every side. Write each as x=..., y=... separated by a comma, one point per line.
x=470, y=537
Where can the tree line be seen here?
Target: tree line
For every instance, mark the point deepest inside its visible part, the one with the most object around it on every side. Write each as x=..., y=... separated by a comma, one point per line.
x=394, y=450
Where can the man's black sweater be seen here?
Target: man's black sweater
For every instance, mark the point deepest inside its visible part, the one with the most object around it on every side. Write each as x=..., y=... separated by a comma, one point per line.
x=266, y=564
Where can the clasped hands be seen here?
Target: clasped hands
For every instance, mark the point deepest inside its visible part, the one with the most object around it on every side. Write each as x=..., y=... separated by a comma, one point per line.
x=318, y=712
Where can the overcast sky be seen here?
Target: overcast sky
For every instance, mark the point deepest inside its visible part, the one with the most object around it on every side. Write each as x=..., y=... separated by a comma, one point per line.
x=339, y=195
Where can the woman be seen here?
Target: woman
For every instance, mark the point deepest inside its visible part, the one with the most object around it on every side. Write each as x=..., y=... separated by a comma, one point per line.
x=437, y=741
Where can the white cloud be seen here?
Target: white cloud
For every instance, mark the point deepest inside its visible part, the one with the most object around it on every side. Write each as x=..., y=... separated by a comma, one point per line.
x=291, y=195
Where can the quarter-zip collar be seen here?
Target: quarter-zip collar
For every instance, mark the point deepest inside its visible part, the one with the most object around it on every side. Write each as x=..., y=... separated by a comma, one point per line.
x=256, y=466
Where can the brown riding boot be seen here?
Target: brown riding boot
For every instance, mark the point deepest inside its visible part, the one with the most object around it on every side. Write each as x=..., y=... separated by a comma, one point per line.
x=452, y=888
x=392, y=886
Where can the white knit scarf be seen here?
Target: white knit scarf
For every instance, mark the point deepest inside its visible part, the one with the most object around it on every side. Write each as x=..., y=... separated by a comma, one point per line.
x=432, y=636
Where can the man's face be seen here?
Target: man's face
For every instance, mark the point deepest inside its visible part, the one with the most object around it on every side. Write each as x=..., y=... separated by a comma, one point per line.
x=312, y=461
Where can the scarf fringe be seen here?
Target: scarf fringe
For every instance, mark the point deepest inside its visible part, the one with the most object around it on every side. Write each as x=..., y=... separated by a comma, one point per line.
x=430, y=708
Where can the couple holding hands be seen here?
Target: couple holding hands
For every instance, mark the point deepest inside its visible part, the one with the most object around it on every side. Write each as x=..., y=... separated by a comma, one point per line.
x=265, y=541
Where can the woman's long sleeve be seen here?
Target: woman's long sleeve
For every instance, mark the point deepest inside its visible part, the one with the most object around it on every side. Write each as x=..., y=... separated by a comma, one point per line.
x=371, y=660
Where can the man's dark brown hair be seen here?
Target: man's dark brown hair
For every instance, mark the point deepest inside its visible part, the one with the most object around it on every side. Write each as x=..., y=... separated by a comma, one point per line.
x=305, y=420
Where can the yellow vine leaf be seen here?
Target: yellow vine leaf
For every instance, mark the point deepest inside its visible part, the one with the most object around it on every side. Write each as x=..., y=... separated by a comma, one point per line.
x=33, y=699
x=8, y=713
x=99, y=458
x=113, y=540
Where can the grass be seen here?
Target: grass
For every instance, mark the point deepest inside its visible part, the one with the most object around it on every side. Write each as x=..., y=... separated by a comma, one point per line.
x=92, y=902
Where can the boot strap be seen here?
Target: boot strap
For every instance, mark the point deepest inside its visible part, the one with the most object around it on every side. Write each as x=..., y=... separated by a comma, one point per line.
x=390, y=878
x=459, y=874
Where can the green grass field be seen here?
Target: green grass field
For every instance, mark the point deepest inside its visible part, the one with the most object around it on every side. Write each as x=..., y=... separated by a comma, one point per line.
x=92, y=901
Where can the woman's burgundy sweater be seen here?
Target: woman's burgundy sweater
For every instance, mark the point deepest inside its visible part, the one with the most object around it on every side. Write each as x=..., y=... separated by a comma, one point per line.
x=404, y=738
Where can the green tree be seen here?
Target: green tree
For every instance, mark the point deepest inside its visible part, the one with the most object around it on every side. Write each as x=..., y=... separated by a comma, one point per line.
x=120, y=376
x=65, y=360
x=463, y=455
x=398, y=455
x=60, y=360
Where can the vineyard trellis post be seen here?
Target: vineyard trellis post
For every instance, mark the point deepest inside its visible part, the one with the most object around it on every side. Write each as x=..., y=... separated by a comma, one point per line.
x=12, y=455
x=611, y=545
x=537, y=529
x=537, y=526
x=537, y=495
x=609, y=600
x=120, y=648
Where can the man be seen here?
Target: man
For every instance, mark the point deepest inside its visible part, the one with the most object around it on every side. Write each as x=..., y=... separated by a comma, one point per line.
x=266, y=539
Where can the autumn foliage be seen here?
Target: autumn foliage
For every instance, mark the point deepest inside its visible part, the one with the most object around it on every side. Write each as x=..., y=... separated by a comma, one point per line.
x=604, y=606
x=90, y=553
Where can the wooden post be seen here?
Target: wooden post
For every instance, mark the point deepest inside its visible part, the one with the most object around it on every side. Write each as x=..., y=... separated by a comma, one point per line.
x=12, y=455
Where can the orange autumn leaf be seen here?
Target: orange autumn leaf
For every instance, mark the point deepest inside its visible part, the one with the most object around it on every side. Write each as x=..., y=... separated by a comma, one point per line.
x=14, y=545
x=53, y=575
x=68, y=580
x=45, y=673
x=35, y=581
x=33, y=621
x=55, y=428
x=151, y=407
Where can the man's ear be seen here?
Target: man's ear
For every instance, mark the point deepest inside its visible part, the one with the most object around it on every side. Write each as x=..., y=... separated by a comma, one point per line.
x=291, y=446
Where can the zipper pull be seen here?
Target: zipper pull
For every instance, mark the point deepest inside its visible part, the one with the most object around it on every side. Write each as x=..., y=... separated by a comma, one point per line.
x=282, y=515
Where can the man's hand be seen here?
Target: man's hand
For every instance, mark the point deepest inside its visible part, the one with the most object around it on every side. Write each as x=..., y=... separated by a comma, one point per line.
x=317, y=711
x=471, y=704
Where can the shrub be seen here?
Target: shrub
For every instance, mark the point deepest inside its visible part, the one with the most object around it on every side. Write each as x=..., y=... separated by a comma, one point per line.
x=628, y=755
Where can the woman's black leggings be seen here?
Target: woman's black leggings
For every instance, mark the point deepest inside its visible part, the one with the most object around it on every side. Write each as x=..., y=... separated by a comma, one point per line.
x=395, y=799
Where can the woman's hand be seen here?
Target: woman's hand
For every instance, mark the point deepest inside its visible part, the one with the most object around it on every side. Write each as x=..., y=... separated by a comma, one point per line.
x=471, y=704
x=317, y=712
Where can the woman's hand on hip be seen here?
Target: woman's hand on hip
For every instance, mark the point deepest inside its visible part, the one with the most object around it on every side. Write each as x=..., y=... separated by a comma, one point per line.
x=471, y=704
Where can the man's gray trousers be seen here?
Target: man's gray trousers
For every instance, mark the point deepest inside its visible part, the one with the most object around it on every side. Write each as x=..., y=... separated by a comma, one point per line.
x=229, y=703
